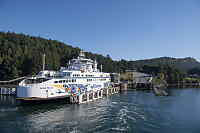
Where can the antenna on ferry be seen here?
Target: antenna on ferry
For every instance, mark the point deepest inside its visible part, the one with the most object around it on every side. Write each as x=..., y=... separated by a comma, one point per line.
x=43, y=66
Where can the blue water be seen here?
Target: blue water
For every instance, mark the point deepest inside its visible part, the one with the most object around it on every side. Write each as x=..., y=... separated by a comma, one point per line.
x=132, y=111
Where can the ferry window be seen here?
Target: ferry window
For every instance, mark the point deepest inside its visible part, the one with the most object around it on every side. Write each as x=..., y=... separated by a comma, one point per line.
x=89, y=80
x=72, y=80
x=63, y=81
x=69, y=80
x=82, y=75
x=55, y=81
x=66, y=81
x=60, y=81
x=67, y=74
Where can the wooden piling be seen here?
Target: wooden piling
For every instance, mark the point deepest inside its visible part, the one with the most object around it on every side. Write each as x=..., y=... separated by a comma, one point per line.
x=123, y=86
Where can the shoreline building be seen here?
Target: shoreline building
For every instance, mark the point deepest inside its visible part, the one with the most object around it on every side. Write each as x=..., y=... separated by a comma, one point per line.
x=139, y=77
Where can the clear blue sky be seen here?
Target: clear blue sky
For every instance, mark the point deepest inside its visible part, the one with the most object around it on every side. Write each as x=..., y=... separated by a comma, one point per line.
x=124, y=29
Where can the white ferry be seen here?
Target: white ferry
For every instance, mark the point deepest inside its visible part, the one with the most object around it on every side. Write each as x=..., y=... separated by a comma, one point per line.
x=81, y=75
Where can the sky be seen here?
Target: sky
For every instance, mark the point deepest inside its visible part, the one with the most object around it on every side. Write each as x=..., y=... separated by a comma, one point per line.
x=123, y=29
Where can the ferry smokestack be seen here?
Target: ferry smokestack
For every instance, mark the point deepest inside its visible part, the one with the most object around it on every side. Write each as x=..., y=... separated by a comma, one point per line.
x=43, y=67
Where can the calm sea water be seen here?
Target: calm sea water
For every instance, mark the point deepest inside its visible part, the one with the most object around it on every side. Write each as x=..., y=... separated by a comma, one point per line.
x=132, y=111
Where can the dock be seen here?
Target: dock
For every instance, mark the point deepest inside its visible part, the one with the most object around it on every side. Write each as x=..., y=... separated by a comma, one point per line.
x=7, y=91
x=93, y=95
x=79, y=98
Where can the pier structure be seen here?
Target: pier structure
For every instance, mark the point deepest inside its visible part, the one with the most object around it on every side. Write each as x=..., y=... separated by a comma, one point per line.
x=7, y=91
x=140, y=80
x=93, y=95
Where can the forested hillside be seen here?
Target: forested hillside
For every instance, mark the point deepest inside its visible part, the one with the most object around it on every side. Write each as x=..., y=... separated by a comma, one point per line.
x=21, y=55
x=182, y=63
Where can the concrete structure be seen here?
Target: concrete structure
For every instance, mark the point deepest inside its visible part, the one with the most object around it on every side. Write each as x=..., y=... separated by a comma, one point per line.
x=140, y=77
x=116, y=77
x=93, y=95
x=123, y=86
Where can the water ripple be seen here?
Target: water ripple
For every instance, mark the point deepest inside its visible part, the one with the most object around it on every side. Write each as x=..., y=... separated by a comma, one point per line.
x=131, y=112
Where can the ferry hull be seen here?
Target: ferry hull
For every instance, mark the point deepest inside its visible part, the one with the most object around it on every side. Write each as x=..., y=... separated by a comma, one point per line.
x=40, y=92
x=30, y=91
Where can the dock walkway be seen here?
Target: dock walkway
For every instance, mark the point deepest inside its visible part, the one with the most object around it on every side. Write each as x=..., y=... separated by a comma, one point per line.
x=93, y=95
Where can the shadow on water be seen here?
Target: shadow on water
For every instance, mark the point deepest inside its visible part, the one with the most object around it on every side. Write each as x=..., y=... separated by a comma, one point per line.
x=40, y=108
x=9, y=102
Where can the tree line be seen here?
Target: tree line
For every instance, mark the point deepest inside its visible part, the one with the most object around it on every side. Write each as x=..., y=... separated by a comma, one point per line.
x=21, y=55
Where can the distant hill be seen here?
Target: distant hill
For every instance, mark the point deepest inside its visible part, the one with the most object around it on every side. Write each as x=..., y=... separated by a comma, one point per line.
x=184, y=64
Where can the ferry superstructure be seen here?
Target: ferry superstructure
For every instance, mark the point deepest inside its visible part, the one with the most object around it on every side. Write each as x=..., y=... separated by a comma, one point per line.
x=81, y=75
